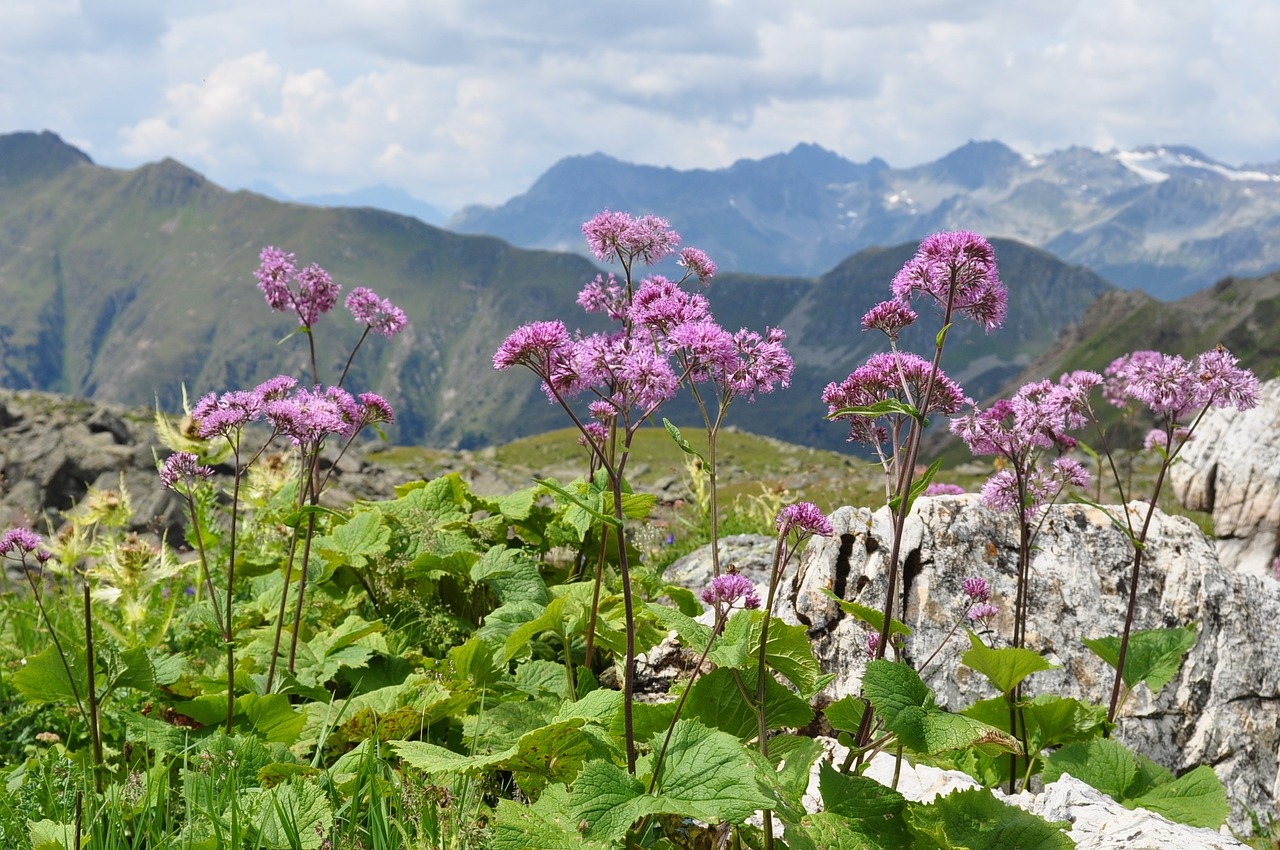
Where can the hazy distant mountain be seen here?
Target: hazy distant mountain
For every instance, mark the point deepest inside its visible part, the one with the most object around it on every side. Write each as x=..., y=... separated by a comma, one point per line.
x=1169, y=220
x=124, y=285
x=380, y=197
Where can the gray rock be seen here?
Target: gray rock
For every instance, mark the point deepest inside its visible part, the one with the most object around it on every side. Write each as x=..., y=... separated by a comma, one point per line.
x=1232, y=470
x=1223, y=709
x=752, y=554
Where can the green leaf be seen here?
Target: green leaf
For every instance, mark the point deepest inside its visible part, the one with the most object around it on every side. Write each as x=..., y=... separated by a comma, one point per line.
x=638, y=505
x=51, y=835
x=550, y=620
x=974, y=818
x=517, y=827
x=291, y=816
x=683, y=443
x=707, y=775
x=44, y=678
x=591, y=510
x=1154, y=655
x=788, y=651
x=892, y=687
x=1103, y=763
x=941, y=337
x=845, y=714
x=512, y=573
x=716, y=701
x=884, y=407
x=554, y=752
x=856, y=796
x=272, y=716
x=1196, y=798
x=907, y=707
x=1006, y=667
x=921, y=483
x=830, y=831
x=130, y=668
x=871, y=616
x=518, y=506
x=358, y=540
x=607, y=799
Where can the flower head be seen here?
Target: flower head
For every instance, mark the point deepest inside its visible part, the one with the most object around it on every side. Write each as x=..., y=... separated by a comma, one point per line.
x=182, y=471
x=315, y=292
x=872, y=644
x=309, y=416
x=374, y=410
x=728, y=590
x=533, y=345
x=696, y=261
x=378, y=313
x=940, y=489
x=977, y=588
x=660, y=304
x=223, y=415
x=957, y=269
x=804, y=518
x=882, y=378
x=889, y=317
x=603, y=295
x=982, y=612
x=19, y=541
x=617, y=236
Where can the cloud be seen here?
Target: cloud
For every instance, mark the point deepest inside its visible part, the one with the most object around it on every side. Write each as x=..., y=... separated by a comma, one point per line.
x=460, y=101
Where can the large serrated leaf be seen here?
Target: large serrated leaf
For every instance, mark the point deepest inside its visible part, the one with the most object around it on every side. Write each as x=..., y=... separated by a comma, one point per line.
x=871, y=616
x=716, y=701
x=517, y=827
x=1006, y=667
x=1154, y=655
x=1103, y=763
x=856, y=796
x=707, y=775
x=361, y=538
x=975, y=819
x=1196, y=798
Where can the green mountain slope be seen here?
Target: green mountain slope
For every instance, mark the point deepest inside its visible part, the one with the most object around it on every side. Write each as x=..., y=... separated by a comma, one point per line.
x=1241, y=313
x=123, y=285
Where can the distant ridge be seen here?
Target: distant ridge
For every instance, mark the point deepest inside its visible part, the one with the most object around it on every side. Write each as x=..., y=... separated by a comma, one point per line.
x=1166, y=219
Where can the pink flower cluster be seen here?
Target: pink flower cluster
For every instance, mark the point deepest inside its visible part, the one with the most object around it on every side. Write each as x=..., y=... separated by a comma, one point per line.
x=957, y=267
x=1174, y=387
x=667, y=335
x=20, y=542
x=305, y=416
x=182, y=471
x=805, y=519
x=309, y=292
x=889, y=376
x=729, y=590
x=378, y=313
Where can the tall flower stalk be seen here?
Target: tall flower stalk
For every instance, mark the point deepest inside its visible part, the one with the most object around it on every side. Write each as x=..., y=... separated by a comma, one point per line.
x=664, y=337
x=1178, y=393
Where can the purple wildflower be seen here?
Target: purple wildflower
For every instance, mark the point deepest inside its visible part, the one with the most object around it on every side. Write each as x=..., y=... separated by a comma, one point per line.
x=940, y=489
x=1223, y=383
x=603, y=410
x=763, y=363
x=533, y=345
x=956, y=268
x=873, y=645
x=183, y=468
x=803, y=518
x=604, y=296
x=374, y=410
x=317, y=293
x=977, y=588
x=660, y=304
x=889, y=317
x=225, y=414
x=275, y=270
x=595, y=432
x=706, y=349
x=378, y=313
x=882, y=378
x=274, y=388
x=617, y=236
x=698, y=263
x=19, y=541
x=309, y=416
x=982, y=612
x=727, y=590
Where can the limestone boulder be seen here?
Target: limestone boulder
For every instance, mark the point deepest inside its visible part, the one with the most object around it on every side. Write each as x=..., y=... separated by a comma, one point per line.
x=1231, y=469
x=1223, y=709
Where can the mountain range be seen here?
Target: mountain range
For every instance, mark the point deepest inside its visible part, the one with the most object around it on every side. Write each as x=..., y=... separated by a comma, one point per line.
x=131, y=285
x=1169, y=220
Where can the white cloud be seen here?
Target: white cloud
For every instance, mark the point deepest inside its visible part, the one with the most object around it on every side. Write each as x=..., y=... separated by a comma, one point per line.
x=470, y=100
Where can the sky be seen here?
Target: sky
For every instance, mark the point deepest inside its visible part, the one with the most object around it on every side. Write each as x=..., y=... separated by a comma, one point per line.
x=469, y=101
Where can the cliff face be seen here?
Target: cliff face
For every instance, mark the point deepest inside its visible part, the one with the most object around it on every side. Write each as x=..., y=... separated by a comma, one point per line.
x=1232, y=470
